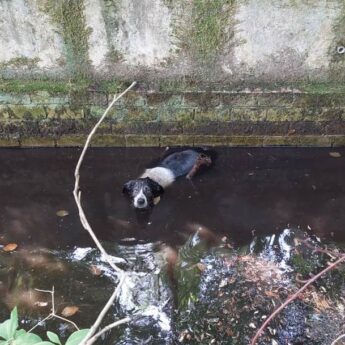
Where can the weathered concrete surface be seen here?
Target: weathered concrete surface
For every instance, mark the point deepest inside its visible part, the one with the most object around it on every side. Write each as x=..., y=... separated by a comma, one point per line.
x=27, y=36
x=224, y=41
x=144, y=32
x=98, y=44
x=285, y=38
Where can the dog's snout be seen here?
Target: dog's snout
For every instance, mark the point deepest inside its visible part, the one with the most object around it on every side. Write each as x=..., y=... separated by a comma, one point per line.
x=141, y=201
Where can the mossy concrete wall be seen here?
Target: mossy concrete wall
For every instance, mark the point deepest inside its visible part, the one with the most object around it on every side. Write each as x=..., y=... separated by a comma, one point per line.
x=240, y=72
x=219, y=40
x=145, y=118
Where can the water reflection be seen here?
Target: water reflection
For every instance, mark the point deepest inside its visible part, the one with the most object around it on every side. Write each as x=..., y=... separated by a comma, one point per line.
x=276, y=248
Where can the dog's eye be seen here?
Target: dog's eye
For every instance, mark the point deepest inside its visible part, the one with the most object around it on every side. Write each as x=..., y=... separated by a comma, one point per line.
x=146, y=189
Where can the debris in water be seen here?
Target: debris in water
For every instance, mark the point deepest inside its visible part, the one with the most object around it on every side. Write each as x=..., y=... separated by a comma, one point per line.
x=10, y=247
x=69, y=311
x=335, y=154
x=201, y=266
x=96, y=271
x=62, y=213
x=41, y=304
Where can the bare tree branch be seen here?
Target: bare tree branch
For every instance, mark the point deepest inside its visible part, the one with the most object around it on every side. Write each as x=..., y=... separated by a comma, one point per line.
x=53, y=313
x=107, y=328
x=87, y=227
x=76, y=191
x=294, y=296
x=334, y=342
x=89, y=336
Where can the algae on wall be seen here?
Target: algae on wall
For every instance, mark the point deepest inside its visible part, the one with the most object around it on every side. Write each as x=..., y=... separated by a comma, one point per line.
x=70, y=18
x=337, y=50
x=210, y=28
x=203, y=29
x=226, y=41
x=110, y=10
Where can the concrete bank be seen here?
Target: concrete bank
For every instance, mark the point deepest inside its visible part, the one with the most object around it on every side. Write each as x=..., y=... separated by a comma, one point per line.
x=243, y=117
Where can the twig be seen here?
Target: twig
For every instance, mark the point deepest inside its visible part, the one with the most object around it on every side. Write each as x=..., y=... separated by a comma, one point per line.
x=334, y=342
x=90, y=337
x=293, y=297
x=107, y=328
x=331, y=253
x=53, y=313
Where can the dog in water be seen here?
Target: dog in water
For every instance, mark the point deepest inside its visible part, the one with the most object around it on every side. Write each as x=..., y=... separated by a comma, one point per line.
x=146, y=190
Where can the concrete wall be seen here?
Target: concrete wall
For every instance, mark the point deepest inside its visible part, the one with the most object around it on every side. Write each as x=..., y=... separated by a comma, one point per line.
x=221, y=72
x=254, y=118
x=223, y=40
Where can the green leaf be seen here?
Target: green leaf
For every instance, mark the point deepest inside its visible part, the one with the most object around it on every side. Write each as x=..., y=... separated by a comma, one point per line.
x=44, y=343
x=8, y=328
x=19, y=332
x=27, y=339
x=76, y=337
x=53, y=337
x=4, y=330
x=14, y=321
x=4, y=342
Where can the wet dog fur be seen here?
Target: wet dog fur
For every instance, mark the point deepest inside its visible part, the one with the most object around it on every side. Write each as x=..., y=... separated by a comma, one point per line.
x=145, y=190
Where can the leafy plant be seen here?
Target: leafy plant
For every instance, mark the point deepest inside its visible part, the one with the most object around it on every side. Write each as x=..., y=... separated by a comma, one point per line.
x=10, y=335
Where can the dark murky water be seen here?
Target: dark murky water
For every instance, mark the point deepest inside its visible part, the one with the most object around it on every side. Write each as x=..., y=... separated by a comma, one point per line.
x=248, y=189
x=248, y=195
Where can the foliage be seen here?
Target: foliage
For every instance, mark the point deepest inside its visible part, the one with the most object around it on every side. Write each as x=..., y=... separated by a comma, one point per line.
x=20, y=61
x=70, y=19
x=56, y=86
x=10, y=335
x=208, y=28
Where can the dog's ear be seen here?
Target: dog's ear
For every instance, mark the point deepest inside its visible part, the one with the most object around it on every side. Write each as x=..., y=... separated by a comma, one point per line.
x=127, y=187
x=156, y=188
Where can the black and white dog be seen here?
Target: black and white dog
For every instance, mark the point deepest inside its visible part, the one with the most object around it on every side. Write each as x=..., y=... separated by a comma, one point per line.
x=145, y=191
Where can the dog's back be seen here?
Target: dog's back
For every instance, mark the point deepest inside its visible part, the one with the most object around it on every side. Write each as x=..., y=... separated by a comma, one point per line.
x=180, y=163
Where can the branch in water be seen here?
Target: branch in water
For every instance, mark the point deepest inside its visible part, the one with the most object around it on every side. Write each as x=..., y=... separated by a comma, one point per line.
x=90, y=337
x=294, y=296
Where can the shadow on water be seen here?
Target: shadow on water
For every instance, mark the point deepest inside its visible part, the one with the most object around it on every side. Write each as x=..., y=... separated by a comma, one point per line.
x=180, y=254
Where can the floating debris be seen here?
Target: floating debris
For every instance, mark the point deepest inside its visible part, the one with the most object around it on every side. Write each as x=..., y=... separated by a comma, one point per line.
x=10, y=247
x=62, y=213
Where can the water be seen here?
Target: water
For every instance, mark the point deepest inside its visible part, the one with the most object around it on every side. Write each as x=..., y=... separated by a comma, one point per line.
x=248, y=196
x=260, y=190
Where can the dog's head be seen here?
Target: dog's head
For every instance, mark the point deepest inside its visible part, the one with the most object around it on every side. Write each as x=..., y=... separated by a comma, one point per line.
x=142, y=192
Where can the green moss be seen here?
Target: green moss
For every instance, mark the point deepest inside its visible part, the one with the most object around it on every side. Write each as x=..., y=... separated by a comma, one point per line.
x=112, y=86
x=114, y=56
x=37, y=142
x=57, y=86
x=208, y=31
x=209, y=18
x=20, y=86
x=110, y=9
x=71, y=141
x=69, y=17
x=108, y=140
x=134, y=140
x=322, y=87
x=337, y=67
x=20, y=61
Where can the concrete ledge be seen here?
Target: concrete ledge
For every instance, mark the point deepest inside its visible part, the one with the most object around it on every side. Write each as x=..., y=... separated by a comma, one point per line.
x=9, y=142
x=37, y=142
x=130, y=140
